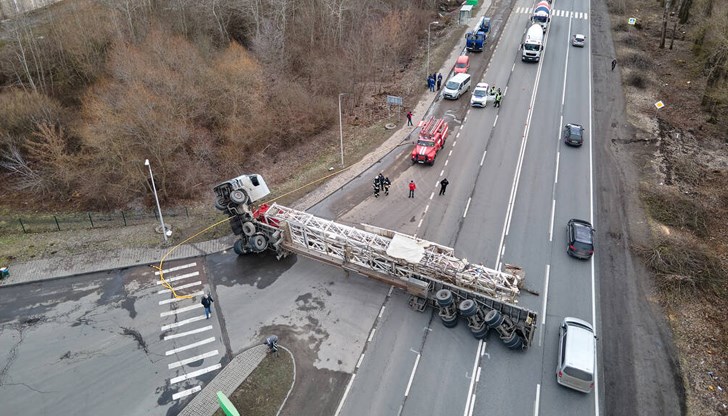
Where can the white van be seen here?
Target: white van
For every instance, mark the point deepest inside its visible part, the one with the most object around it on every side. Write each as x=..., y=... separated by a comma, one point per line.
x=456, y=86
x=577, y=346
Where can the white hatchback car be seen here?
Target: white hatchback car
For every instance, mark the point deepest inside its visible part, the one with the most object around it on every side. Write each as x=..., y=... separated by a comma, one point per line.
x=480, y=95
x=578, y=40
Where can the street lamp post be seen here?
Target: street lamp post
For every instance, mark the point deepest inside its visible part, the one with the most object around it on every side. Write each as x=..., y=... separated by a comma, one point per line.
x=428, y=46
x=156, y=198
x=341, y=130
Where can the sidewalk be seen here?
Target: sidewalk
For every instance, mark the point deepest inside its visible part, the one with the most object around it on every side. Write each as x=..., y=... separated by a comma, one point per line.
x=240, y=367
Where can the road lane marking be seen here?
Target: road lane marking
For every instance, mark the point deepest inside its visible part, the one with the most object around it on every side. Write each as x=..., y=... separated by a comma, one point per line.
x=551, y=223
x=180, y=310
x=496, y=120
x=468, y=402
x=426, y=208
x=412, y=375
x=189, y=346
x=454, y=143
x=449, y=154
x=346, y=393
x=432, y=195
x=358, y=363
x=538, y=399
x=180, y=277
x=442, y=172
x=166, y=301
x=195, y=373
x=545, y=294
x=558, y=157
x=420, y=223
x=477, y=378
x=197, y=283
x=466, y=208
x=381, y=311
x=472, y=405
x=371, y=335
x=185, y=393
x=174, y=269
x=192, y=359
x=447, y=161
x=185, y=322
x=192, y=332
x=505, y=90
x=482, y=159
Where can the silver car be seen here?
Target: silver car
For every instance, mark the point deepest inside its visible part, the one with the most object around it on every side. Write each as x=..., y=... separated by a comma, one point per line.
x=578, y=40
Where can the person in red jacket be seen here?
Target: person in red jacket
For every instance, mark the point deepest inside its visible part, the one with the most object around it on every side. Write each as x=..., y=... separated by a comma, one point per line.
x=412, y=188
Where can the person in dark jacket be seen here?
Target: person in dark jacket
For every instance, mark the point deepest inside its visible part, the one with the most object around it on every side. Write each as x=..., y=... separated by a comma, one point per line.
x=443, y=186
x=207, y=304
x=439, y=81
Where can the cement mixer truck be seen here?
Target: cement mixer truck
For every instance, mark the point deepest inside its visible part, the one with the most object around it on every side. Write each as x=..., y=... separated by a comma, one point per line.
x=542, y=15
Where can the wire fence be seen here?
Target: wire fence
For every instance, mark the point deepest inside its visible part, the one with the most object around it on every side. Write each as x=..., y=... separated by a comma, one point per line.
x=86, y=220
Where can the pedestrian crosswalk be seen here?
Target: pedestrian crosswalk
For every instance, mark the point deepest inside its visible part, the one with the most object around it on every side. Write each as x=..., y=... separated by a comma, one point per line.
x=191, y=347
x=555, y=13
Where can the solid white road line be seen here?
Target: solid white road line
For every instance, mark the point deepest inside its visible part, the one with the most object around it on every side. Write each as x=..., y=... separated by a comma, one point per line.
x=166, y=301
x=192, y=359
x=184, y=322
x=193, y=345
x=466, y=208
x=184, y=334
x=174, y=269
x=180, y=277
x=591, y=217
x=346, y=393
x=195, y=373
x=185, y=393
x=180, y=310
x=538, y=399
x=412, y=375
x=482, y=159
x=468, y=401
x=197, y=283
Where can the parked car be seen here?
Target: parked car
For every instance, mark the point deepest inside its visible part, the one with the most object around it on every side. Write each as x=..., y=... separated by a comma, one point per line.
x=462, y=65
x=456, y=86
x=573, y=134
x=578, y=40
x=580, y=236
x=480, y=95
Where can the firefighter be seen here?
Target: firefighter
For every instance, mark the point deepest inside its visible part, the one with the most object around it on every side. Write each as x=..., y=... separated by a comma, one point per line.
x=380, y=178
x=375, y=185
x=385, y=185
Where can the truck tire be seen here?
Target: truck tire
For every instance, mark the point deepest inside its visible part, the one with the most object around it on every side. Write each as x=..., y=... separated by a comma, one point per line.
x=236, y=226
x=444, y=297
x=248, y=229
x=258, y=243
x=482, y=333
x=467, y=308
x=238, y=196
x=493, y=319
x=220, y=204
x=452, y=323
x=239, y=247
x=513, y=341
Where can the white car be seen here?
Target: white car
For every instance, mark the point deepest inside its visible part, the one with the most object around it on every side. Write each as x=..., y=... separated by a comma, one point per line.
x=480, y=95
x=578, y=40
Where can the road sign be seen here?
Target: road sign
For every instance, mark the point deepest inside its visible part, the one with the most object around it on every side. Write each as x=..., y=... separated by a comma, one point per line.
x=659, y=104
x=631, y=20
x=393, y=100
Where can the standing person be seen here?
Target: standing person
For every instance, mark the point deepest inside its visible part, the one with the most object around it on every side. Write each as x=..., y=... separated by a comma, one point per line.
x=614, y=63
x=207, y=304
x=375, y=186
x=380, y=178
x=409, y=118
x=412, y=188
x=497, y=100
x=385, y=185
x=439, y=81
x=443, y=186
x=431, y=83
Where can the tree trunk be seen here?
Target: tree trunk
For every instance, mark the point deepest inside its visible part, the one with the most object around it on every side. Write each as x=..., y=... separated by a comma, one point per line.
x=664, y=25
x=684, y=13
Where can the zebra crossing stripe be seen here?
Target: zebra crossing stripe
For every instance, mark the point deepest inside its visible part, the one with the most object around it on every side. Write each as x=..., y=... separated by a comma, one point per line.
x=180, y=277
x=195, y=374
x=193, y=345
x=185, y=322
x=183, y=334
x=180, y=363
x=185, y=393
x=174, y=269
x=180, y=310
x=166, y=301
x=197, y=283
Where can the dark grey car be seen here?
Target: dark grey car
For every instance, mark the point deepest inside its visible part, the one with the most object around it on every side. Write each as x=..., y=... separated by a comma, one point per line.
x=580, y=235
x=573, y=134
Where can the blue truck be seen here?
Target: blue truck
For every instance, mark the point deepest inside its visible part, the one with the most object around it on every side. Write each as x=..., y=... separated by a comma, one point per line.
x=475, y=39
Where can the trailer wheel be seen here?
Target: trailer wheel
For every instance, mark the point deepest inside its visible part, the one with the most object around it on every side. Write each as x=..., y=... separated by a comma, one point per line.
x=467, y=308
x=248, y=228
x=493, y=319
x=238, y=196
x=239, y=247
x=444, y=297
x=258, y=243
x=481, y=334
x=513, y=341
x=452, y=323
x=220, y=204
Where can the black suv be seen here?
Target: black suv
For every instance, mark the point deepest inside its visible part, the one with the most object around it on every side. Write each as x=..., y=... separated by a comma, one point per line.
x=580, y=236
x=573, y=134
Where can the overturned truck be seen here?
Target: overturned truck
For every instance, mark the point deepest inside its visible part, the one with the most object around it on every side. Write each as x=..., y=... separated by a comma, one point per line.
x=430, y=273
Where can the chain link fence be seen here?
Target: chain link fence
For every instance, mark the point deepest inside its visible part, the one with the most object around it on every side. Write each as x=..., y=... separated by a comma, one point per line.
x=86, y=220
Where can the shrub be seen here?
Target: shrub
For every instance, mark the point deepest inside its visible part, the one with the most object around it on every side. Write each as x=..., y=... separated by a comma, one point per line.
x=637, y=80
x=670, y=207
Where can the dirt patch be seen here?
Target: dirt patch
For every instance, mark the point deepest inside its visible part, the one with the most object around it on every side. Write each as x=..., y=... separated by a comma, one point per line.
x=262, y=393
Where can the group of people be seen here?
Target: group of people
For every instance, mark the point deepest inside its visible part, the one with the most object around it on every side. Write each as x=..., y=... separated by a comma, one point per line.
x=434, y=80
x=381, y=184
x=498, y=96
